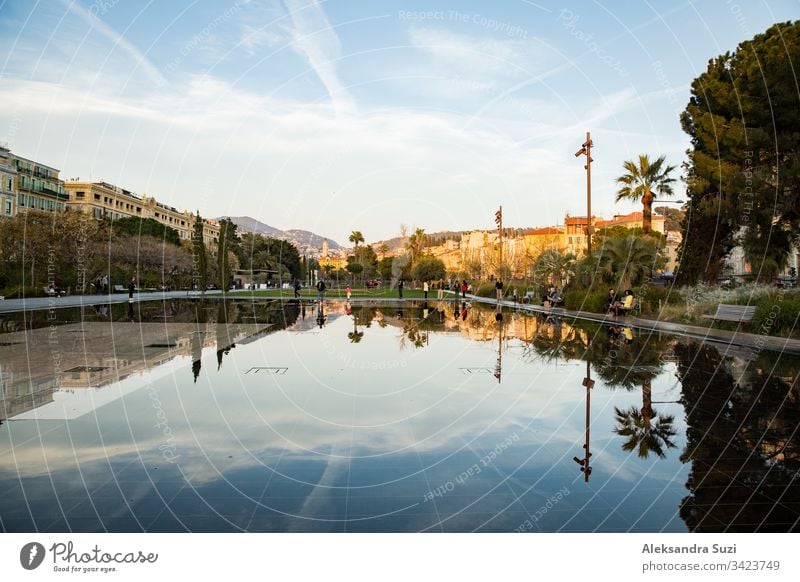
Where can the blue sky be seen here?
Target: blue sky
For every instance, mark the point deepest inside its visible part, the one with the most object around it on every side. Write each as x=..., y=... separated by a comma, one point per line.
x=342, y=115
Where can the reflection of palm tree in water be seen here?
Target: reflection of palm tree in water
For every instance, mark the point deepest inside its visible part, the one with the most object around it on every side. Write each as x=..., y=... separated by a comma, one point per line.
x=355, y=335
x=646, y=430
x=631, y=364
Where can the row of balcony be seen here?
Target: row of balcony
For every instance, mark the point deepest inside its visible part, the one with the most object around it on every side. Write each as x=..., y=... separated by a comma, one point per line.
x=60, y=194
x=36, y=172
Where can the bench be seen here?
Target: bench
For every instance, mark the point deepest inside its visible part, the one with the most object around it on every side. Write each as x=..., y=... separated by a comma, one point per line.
x=528, y=297
x=735, y=313
x=119, y=289
x=53, y=292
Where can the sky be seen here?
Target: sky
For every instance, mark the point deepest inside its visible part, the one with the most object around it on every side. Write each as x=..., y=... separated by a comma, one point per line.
x=343, y=115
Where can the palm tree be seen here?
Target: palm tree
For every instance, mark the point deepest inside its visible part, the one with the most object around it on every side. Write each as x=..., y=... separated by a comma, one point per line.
x=383, y=249
x=356, y=237
x=554, y=266
x=416, y=243
x=640, y=181
x=646, y=430
x=628, y=261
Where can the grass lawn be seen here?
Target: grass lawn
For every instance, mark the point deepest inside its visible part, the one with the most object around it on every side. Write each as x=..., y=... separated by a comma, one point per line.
x=383, y=293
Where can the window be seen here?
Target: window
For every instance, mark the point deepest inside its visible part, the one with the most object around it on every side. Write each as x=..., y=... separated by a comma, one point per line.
x=80, y=195
x=8, y=206
x=10, y=185
x=97, y=196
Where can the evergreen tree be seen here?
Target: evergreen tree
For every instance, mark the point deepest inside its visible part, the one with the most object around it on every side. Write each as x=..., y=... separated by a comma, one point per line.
x=744, y=166
x=199, y=251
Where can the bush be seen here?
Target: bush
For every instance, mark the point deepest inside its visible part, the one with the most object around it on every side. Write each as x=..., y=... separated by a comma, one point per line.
x=652, y=297
x=593, y=301
x=776, y=316
x=485, y=290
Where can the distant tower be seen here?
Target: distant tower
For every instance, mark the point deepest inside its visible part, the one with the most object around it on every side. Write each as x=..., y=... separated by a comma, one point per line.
x=324, y=247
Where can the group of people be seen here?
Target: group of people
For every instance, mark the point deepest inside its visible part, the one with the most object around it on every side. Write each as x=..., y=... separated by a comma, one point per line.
x=552, y=297
x=101, y=286
x=618, y=305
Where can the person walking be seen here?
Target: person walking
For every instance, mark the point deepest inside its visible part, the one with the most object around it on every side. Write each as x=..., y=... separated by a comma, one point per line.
x=440, y=291
x=349, y=292
x=105, y=284
x=464, y=288
x=131, y=289
x=498, y=286
x=400, y=288
x=297, y=288
x=321, y=290
x=425, y=289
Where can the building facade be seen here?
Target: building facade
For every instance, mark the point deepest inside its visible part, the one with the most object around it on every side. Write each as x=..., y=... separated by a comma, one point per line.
x=105, y=201
x=38, y=187
x=8, y=183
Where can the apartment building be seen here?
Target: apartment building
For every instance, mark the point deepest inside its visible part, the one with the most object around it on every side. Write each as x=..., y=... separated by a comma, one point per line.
x=8, y=183
x=107, y=201
x=38, y=186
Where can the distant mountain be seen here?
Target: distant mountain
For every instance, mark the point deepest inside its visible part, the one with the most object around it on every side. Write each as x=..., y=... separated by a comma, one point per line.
x=309, y=238
x=248, y=224
x=302, y=239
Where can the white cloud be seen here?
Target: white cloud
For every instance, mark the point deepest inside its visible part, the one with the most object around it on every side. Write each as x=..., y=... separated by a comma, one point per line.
x=484, y=58
x=117, y=39
x=314, y=38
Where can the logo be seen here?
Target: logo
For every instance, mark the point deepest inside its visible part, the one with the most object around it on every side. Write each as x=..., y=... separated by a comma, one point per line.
x=31, y=555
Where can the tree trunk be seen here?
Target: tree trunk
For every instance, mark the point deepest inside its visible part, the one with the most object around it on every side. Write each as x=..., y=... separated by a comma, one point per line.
x=647, y=402
x=647, y=212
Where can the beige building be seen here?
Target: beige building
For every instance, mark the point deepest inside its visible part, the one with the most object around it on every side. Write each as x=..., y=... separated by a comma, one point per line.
x=8, y=183
x=103, y=200
x=633, y=220
x=38, y=187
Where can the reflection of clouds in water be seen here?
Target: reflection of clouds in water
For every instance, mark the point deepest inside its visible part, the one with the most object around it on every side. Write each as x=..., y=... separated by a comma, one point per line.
x=239, y=421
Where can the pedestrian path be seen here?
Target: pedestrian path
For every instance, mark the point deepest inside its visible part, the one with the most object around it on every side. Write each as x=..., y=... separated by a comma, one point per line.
x=34, y=303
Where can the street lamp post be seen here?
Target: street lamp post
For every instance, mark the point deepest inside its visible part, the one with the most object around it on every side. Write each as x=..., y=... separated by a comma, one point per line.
x=586, y=149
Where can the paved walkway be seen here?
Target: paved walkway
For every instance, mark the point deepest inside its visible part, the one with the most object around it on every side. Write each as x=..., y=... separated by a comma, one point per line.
x=34, y=303
x=737, y=338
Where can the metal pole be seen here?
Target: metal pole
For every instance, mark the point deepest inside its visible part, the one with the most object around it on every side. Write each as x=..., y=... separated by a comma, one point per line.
x=588, y=145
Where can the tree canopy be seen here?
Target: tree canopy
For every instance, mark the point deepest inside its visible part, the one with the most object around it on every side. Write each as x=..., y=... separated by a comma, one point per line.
x=135, y=226
x=428, y=268
x=743, y=119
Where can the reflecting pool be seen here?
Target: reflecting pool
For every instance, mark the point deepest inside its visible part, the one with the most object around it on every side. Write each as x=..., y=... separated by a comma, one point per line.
x=240, y=416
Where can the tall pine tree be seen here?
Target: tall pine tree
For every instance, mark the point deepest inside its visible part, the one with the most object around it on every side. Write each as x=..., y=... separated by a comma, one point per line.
x=743, y=173
x=199, y=251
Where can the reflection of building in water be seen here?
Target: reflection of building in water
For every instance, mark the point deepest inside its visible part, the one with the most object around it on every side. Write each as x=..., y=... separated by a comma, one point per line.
x=40, y=364
x=19, y=397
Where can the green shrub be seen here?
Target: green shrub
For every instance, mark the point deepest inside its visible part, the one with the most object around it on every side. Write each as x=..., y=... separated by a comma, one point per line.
x=593, y=301
x=653, y=297
x=485, y=290
x=776, y=316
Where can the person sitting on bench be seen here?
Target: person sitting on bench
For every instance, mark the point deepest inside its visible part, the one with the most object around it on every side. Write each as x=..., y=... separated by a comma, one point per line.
x=611, y=299
x=625, y=305
x=554, y=297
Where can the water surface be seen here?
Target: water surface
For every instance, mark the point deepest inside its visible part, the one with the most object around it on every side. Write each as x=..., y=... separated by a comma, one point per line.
x=237, y=416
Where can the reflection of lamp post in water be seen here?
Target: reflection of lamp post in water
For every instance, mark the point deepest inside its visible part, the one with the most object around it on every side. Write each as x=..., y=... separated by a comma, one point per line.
x=498, y=367
x=584, y=463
